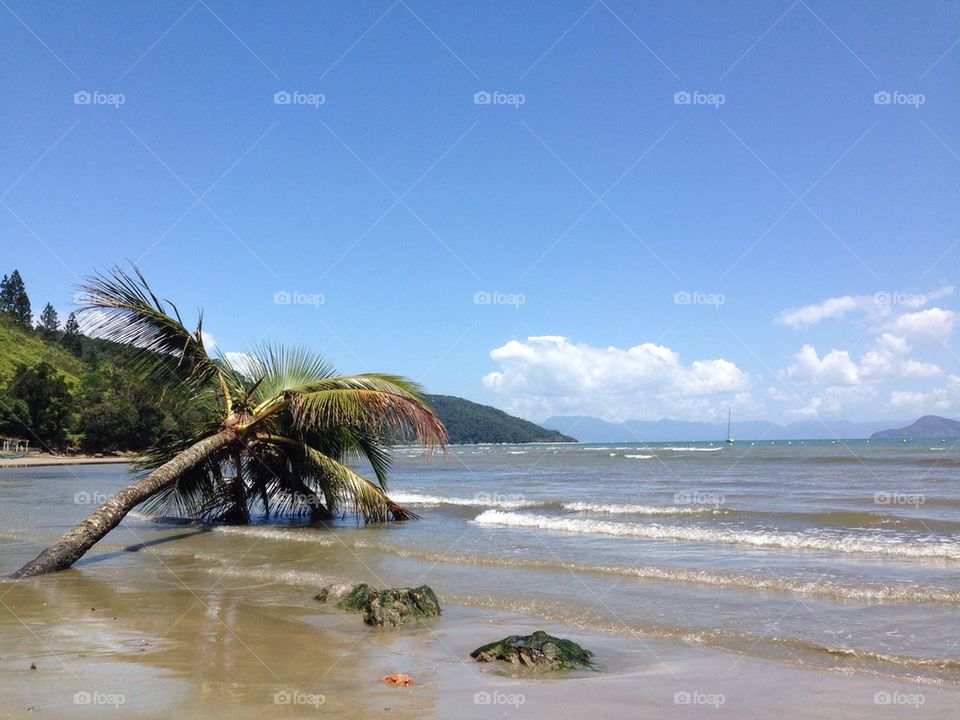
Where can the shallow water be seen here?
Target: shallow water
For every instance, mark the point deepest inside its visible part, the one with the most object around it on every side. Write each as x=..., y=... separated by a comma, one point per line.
x=841, y=558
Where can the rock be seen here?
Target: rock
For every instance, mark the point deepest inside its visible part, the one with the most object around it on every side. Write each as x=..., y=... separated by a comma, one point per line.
x=538, y=650
x=356, y=600
x=332, y=592
x=398, y=680
x=394, y=606
x=397, y=606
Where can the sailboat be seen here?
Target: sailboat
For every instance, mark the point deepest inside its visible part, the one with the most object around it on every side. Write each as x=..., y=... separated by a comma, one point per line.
x=729, y=436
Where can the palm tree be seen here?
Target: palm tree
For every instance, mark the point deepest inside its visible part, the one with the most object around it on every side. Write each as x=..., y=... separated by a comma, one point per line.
x=276, y=434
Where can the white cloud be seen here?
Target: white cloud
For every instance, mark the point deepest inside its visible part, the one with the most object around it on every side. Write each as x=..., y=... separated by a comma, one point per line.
x=931, y=325
x=880, y=305
x=940, y=401
x=209, y=343
x=834, y=402
x=807, y=315
x=835, y=368
x=549, y=375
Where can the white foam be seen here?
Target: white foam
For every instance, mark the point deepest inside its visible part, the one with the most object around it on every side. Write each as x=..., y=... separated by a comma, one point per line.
x=265, y=533
x=640, y=457
x=491, y=500
x=634, y=509
x=693, y=449
x=782, y=540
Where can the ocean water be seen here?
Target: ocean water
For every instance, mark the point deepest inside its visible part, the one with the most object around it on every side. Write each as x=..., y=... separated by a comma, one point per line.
x=838, y=556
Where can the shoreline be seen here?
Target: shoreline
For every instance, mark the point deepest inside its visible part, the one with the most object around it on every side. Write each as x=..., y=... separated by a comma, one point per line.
x=47, y=460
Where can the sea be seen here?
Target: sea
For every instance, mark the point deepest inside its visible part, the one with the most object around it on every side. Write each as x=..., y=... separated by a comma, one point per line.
x=838, y=557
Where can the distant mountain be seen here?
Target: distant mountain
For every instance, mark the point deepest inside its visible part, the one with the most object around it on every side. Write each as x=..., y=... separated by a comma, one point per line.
x=929, y=426
x=590, y=429
x=470, y=422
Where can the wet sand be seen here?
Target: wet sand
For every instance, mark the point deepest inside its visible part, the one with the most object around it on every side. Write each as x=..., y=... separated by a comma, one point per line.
x=144, y=635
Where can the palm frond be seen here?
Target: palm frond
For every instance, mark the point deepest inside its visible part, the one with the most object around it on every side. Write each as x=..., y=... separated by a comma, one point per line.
x=342, y=486
x=280, y=369
x=381, y=405
x=120, y=307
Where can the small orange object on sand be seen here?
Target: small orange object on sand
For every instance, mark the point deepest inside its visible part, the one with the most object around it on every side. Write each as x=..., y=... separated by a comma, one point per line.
x=398, y=680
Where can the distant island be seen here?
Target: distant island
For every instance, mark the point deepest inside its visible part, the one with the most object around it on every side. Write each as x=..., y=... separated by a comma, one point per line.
x=469, y=422
x=591, y=429
x=929, y=426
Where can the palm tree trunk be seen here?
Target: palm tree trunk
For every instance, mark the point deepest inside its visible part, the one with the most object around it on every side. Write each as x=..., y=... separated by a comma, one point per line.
x=75, y=543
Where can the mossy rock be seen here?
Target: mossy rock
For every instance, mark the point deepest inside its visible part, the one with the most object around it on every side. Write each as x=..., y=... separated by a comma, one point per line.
x=397, y=606
x=356, y=600
x=390, y=607
x=539, y=650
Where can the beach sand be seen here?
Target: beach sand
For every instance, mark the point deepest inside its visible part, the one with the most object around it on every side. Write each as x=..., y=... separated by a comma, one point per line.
x=46, y=460
x=157, y=640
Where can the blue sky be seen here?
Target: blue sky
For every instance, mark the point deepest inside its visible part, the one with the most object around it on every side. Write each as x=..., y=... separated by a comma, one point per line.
x=656, y=250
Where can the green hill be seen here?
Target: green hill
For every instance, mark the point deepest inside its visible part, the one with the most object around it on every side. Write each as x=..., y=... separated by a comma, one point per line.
x=18, y=345
x=929, y=426
x=469, y=422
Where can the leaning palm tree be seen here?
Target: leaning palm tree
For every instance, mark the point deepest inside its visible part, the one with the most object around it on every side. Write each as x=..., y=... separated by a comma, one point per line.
x=276, y=435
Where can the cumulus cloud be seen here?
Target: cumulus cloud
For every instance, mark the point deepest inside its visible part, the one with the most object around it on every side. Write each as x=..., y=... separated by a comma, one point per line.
x=943, y=400
x=546, y=375
x=931, y=325
x=834, y=368
x=887, y=358
x=833, y=402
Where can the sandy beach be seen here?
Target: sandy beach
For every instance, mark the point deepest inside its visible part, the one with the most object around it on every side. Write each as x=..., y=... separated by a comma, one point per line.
x=173, y=640
x=47, y=460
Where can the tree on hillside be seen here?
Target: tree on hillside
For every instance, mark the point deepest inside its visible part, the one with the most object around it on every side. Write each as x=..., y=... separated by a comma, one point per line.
x=49, y=321
x=14, y=301
x=48, y=401
x=71, y=335
x=275, y=436
x=13, y=413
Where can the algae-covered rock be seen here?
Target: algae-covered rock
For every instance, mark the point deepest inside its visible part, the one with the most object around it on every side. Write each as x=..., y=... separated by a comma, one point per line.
x=356, y=600
x=538, y=650
x=391, y=607
x=397, y=606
